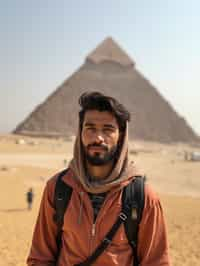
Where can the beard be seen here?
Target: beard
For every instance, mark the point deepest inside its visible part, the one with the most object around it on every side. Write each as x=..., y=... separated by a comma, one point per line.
x=99, y=159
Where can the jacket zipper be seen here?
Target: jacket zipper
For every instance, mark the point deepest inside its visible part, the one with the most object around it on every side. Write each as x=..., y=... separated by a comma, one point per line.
x=93, y=230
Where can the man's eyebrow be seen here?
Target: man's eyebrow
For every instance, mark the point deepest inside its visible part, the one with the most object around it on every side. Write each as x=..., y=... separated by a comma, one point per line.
x=88, y=124
x=109, y=126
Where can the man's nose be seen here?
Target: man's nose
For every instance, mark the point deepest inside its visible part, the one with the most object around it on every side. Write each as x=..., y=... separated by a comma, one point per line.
x=99, y=137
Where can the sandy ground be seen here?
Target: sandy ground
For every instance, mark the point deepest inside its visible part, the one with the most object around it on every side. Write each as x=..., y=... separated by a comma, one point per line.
x=27, y=162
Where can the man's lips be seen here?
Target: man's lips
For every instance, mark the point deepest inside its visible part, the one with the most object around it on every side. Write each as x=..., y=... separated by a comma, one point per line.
x=97, y=149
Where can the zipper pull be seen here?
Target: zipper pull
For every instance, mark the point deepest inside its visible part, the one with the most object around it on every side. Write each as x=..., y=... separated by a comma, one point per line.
x=93, y=230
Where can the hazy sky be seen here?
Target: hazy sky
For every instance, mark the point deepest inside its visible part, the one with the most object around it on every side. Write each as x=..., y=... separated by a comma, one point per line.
x=43, y=42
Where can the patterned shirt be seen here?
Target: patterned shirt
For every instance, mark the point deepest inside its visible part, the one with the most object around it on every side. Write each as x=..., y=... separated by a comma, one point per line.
x=97, y=201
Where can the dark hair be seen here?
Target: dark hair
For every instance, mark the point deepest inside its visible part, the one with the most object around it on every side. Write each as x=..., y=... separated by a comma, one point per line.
x=101, y=102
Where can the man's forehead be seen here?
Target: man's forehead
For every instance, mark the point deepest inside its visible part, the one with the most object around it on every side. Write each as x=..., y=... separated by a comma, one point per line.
x=94, y=116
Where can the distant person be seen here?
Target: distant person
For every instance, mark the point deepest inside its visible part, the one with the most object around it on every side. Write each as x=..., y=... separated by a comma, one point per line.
x=65, y=162
x=29, y=198
x=99, y=211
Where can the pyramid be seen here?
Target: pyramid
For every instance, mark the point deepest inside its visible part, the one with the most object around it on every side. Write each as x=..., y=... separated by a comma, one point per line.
x=109, y=50
x=110, y=70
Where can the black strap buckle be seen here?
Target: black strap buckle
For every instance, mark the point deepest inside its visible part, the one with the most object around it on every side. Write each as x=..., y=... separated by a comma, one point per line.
x=123, y=216
x=107, y=240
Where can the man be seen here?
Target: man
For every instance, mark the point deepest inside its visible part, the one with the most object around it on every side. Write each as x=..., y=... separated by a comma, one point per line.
x=98, y=173
x=29, y=198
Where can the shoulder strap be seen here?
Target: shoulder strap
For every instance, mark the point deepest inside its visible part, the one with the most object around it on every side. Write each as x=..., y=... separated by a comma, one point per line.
x=132, y=199
x=133, y=196
x=61, y=199
x=123, y=216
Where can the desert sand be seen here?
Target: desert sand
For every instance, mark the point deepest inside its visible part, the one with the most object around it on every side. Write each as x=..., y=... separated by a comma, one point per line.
x=28, y=162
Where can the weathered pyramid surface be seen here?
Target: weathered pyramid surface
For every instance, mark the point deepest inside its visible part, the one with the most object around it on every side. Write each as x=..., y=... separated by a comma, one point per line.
x=110, y=51
x=110, y=70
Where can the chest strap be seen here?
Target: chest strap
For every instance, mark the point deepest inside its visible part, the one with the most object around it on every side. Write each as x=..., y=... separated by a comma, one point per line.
x=108, y=238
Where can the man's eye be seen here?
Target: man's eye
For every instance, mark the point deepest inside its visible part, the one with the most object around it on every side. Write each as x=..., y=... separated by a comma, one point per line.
x=90, y=128
x=109, y=130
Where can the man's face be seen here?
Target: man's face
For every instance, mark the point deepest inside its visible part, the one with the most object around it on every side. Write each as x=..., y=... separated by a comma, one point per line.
x=100, y=136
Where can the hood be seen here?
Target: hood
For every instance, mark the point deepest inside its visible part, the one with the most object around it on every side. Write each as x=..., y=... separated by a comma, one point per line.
x=121, y=172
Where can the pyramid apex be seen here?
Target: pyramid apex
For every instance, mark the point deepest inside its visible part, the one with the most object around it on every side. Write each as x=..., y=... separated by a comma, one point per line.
x=109, y=50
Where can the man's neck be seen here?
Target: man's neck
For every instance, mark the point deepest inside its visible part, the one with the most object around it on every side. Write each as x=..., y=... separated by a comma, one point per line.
x=99, y=172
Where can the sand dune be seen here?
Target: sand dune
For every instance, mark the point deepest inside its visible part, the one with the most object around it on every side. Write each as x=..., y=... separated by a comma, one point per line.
x=31, y=162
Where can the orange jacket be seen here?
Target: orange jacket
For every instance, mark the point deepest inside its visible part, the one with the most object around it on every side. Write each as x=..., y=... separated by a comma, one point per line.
x=80, y=236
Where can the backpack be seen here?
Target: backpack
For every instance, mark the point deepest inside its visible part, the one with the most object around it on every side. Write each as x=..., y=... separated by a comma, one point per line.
x=130, y=215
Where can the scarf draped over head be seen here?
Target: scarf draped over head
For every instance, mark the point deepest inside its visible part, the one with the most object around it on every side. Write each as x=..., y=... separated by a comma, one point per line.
x=122, y=170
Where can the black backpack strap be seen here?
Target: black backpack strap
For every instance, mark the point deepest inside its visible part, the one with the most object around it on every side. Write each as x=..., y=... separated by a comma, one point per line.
x=133, y=196
x=131, y=214
x=132, y=200
x=108, y=238
x=61, y=199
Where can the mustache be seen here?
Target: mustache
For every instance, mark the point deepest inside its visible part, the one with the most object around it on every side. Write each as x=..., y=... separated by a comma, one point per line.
x=103, y=146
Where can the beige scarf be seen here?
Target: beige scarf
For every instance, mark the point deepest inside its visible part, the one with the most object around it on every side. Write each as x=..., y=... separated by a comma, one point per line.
x=121, y=171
